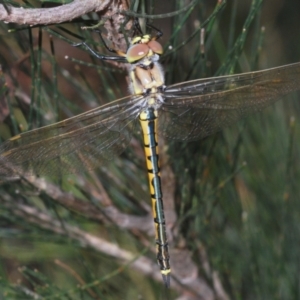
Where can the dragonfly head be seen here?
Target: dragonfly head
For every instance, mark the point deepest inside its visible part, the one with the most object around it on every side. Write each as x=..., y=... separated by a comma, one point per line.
x=142, y=47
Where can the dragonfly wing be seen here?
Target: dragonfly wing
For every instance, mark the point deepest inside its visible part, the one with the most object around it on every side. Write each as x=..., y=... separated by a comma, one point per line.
x=72, y=145
x=196, y=109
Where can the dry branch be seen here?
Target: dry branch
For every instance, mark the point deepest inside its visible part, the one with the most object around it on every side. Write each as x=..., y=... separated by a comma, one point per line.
x=59, y=14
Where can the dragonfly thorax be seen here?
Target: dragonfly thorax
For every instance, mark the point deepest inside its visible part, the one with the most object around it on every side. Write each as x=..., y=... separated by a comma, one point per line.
x=144, y=79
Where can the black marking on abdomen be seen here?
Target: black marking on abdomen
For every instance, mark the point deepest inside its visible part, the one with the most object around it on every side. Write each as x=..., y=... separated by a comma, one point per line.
x=157, y=187
x=154, y=161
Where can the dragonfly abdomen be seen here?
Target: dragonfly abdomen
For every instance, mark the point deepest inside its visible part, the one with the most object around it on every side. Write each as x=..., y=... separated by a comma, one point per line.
x=148, y=120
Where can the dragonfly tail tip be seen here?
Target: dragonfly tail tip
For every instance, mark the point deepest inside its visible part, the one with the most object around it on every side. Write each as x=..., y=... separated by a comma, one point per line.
x=166, y=280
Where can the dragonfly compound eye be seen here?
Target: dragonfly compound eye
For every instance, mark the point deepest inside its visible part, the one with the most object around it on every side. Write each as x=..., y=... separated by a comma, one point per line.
x=156, y=47
x=137, y=52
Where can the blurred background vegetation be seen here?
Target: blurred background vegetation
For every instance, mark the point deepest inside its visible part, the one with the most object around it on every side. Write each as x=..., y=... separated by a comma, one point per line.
x=232, y=199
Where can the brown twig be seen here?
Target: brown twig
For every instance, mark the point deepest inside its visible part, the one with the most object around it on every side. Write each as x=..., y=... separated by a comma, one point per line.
x=89, y=210
x=79, y=279
x=196, y=289
x=59, y=14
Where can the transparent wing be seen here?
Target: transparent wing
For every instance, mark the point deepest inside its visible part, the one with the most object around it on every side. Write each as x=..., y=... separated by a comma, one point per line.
x=196, y=109
x=70, y=146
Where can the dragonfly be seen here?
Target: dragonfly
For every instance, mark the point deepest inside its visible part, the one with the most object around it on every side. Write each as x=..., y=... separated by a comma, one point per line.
x=185, y=111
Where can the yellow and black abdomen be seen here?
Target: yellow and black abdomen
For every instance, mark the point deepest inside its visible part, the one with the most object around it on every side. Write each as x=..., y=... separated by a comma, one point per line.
x=148, y=120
